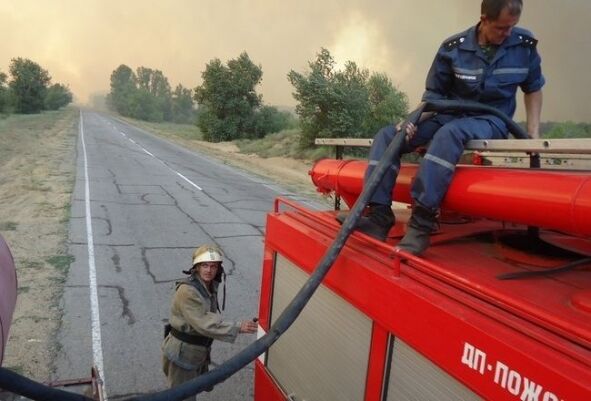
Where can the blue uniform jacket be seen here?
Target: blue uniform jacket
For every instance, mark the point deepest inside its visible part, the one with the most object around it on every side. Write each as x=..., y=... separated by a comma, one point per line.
x=461, y=71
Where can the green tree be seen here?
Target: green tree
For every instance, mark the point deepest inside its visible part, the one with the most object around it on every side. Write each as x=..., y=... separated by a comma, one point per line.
x=3, y=93
x=28, y=85
x=154, y=91
x=343, y=103
x=182, y=105
x=386, y=104
x=145, y=106
x=123, y=90
x=57, y=96
x=160, y=89
x=269, y=119
x=332, y=103
x=569, y=129
x=228, y=99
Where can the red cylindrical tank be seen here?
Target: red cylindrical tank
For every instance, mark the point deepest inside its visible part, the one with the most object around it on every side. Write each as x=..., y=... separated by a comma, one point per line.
x=7, y=293
x=558, y=200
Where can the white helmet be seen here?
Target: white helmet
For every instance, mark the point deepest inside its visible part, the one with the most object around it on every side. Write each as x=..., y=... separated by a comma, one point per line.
x=207, y=253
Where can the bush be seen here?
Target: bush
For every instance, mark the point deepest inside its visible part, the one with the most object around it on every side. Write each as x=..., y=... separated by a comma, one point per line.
x=569, y=129
x=57, y=96
x=228, y=99
x=347, y=103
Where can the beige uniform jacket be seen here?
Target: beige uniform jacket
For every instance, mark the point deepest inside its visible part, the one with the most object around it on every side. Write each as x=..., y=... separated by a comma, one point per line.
x=194, y=314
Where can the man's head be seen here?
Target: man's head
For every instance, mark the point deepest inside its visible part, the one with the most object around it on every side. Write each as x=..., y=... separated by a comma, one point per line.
x=207, y=263
x=497, y=19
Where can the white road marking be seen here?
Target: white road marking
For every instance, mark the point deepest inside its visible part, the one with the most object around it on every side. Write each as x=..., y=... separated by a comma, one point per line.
x=97, y=347
x=163, y=162
x=185, y=178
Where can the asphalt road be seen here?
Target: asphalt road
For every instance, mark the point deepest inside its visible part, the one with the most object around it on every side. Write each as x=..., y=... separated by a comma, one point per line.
x=149, y=203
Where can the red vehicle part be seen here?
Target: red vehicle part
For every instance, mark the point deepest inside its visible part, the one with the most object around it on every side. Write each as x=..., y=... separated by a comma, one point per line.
x=493, y=340
x=558, y=200
x=8, y=287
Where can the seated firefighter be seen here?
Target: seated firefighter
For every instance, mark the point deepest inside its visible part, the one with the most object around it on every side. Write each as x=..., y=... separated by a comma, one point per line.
x=485, y=63
x=195, y=320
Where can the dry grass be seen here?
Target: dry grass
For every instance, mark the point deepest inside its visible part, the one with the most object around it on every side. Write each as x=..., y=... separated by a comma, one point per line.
x=37, y=171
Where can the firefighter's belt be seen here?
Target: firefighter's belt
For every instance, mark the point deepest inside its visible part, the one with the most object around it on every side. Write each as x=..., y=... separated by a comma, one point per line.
x=191, y=339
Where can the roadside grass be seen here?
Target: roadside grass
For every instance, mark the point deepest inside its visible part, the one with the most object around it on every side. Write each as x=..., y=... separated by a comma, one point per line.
x=184, y=131
x=17, y=130
x=30, y=264
x=285, y=143
x=61, y=262
x=8, y=225
x=23, y=289
x=67, y=208
x=37, y=175
x=20, y=369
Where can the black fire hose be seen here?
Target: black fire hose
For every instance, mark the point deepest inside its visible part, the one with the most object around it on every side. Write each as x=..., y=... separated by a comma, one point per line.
x=464, y=106
x=17, y=384
x=295, y=307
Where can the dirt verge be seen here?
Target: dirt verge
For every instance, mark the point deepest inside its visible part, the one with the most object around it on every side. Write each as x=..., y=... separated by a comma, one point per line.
x=37, y=167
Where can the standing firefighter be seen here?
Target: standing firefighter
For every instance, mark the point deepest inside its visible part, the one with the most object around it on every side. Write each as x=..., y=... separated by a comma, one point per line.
x=195, y=320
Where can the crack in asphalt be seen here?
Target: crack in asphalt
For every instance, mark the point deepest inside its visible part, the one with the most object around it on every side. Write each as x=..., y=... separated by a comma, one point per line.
x=124, y=302
x=229, y=271
x=144, y=251
x=228, y=209
x=107, y=218
x=116, y=260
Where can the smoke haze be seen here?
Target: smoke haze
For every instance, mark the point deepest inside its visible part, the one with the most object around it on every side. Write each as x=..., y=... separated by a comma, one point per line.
x=81, y=42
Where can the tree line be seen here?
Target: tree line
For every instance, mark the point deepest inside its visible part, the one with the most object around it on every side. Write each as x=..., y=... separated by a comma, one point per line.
x=229, y=107
x=226, y=106
x=566, y=129
x=331, y=102
x=146, y=94
x=29, y=89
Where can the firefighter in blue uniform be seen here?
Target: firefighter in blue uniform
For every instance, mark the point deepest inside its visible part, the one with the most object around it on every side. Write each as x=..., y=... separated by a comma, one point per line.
x=485, y=63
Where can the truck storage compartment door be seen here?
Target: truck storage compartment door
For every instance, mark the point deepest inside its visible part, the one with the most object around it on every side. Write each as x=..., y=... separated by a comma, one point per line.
x=324, y=355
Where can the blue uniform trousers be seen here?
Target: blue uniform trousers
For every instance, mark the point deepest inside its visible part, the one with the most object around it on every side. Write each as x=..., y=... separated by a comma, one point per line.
x=448, y=134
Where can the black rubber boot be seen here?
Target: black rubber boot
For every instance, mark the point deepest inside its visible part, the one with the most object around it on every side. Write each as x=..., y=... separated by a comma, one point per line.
x=418, y=233
x=376, y=221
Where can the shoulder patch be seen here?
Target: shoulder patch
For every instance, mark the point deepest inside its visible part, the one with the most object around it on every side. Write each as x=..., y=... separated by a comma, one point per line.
x=451, y=44
x=528, y=41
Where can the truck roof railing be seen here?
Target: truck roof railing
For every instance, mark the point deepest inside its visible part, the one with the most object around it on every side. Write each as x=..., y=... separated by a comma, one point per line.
x=558, y=146
x=570, y=153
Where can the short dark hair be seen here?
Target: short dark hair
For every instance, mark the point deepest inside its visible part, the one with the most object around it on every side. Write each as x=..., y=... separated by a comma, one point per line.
x=492, y=8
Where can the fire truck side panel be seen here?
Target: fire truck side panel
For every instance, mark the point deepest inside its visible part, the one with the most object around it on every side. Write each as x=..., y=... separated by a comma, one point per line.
x=265, y=388
x=378, y=358
x=413, y=377
x=470, y=340
x=325, y=353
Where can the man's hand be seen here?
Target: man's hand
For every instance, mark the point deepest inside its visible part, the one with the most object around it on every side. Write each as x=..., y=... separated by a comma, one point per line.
x=248, y=326
x=409, y=130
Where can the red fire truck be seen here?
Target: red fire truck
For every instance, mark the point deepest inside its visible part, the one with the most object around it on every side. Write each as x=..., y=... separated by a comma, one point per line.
x=498, y=308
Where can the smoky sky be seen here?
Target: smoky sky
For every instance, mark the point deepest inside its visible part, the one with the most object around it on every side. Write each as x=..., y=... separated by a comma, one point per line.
x=81, y=42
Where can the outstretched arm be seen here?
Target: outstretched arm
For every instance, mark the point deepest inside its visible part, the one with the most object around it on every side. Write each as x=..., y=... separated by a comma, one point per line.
x=533, y=110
